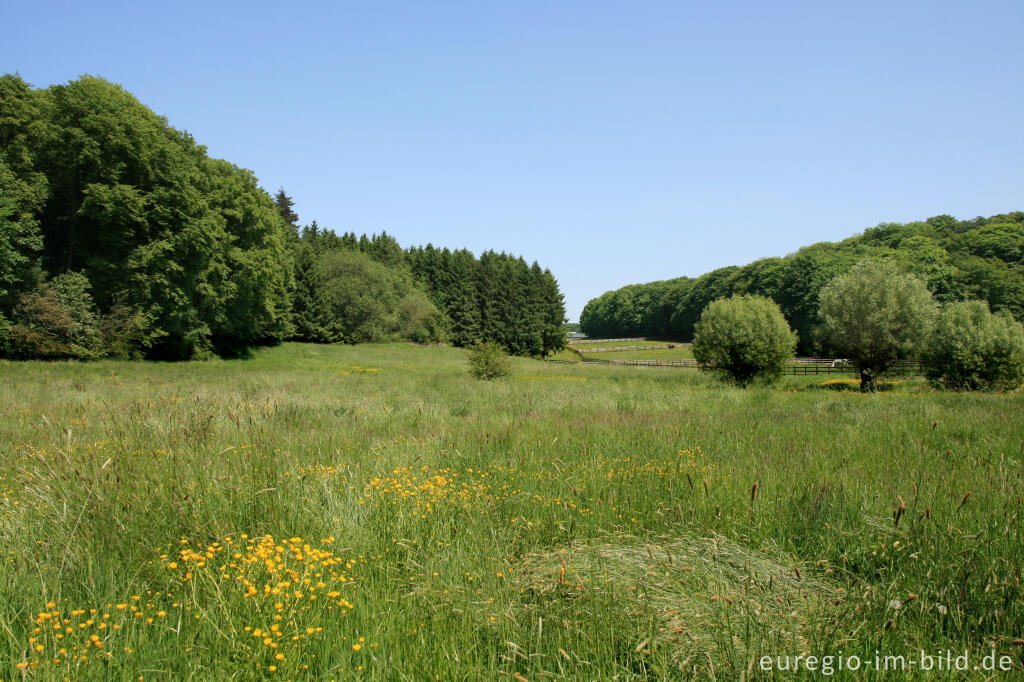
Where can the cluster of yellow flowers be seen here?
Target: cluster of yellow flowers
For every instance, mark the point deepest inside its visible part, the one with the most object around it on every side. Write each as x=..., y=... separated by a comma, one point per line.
x=287, y=571
x=287, y=591
x=74, y=637
x=482, y=491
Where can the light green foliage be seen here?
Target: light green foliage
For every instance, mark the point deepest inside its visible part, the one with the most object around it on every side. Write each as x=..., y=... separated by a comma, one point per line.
x=419, y=320
x=876, y=315
x=127, y=332
x=744, y=339
x=972, y=349
x=487, y=360
x=370, y=301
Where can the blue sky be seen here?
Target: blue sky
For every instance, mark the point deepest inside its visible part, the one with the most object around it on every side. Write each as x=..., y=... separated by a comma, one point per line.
x=612, y=142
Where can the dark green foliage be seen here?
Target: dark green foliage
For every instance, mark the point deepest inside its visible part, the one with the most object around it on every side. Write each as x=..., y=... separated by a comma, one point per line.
x=744, y=339
x=59, y=321
x=127, y=333
x=972, y=349
x=311, y=312
x=284, y=204
x=876, y=314
x=190, y=245
x=496, y=297
x=979, y=258
x=22, y=192
x=186, y=256
x=487, y=360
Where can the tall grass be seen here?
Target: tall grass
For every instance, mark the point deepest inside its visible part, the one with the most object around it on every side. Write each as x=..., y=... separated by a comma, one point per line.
x=570, y=521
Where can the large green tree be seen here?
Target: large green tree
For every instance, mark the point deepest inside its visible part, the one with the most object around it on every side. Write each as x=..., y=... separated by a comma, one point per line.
x=973, y=349
x=744, y=339
x=190, y=244
x=876, y=315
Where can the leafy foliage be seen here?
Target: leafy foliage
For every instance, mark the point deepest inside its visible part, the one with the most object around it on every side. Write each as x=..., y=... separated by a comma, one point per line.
x=96, y=183
x=370, y=301
x=495, y=297
x=972, y=349
x=185, y=256
x=487, y=360
x=876, y=314
x=979, y=258
x=59, y=321
x=744, y=339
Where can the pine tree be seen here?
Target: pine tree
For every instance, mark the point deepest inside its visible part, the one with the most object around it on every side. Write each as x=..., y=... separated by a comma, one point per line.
x=284, y=205
x=311, y=314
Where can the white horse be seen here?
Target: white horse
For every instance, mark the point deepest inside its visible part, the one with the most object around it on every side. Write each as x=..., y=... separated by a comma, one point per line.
x=840, y=362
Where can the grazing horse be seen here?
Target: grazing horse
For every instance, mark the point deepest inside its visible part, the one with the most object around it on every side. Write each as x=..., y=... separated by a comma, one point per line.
x=840, y=362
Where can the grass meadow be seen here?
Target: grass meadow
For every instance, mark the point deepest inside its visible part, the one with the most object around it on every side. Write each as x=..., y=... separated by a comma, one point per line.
x=372, y=512
x=680, y=352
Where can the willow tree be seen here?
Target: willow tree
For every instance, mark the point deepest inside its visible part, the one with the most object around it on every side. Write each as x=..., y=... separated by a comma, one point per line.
x=876, y=315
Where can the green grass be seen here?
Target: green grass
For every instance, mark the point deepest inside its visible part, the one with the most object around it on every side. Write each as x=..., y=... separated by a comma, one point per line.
x=614, y=343
x=663, y=354
x=569, y=522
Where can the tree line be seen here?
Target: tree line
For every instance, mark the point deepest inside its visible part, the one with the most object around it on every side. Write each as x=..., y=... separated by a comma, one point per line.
x=121, y=237
x=436, y=294
x=979, y=259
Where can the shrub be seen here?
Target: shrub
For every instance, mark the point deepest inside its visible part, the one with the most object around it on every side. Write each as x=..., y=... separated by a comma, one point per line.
x=972, y=349
x=58, y=321
x=127, y=332
x=367, y=301
x=487, y=360
x=876, y=314
x=419, y=320
x=744, y=339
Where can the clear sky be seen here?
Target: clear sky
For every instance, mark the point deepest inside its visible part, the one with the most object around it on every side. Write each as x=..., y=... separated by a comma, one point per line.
x=613, y=142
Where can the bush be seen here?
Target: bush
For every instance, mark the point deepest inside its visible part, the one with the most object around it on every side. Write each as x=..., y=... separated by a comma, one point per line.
x=487, y=360
x=59, y=321
x=876, y=315
x=127, y=332
x=744, y=339
x=370, y=302
x=972, y=349
x=419, y=320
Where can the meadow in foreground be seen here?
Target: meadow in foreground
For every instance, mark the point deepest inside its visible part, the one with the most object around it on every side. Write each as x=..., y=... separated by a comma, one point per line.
x=372, y=512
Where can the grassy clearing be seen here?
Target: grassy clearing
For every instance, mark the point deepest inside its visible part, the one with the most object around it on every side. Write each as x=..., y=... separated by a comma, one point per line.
x=677, y=353
x=616, y=343
x=372, y=512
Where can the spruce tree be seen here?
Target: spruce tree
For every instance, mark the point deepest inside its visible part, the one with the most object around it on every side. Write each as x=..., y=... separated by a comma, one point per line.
x=284, y=205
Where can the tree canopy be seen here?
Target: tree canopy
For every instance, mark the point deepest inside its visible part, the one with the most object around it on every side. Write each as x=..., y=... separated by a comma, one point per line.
x=982, y=258
x=744, y=339
x=876, y=314
x=177, y=255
